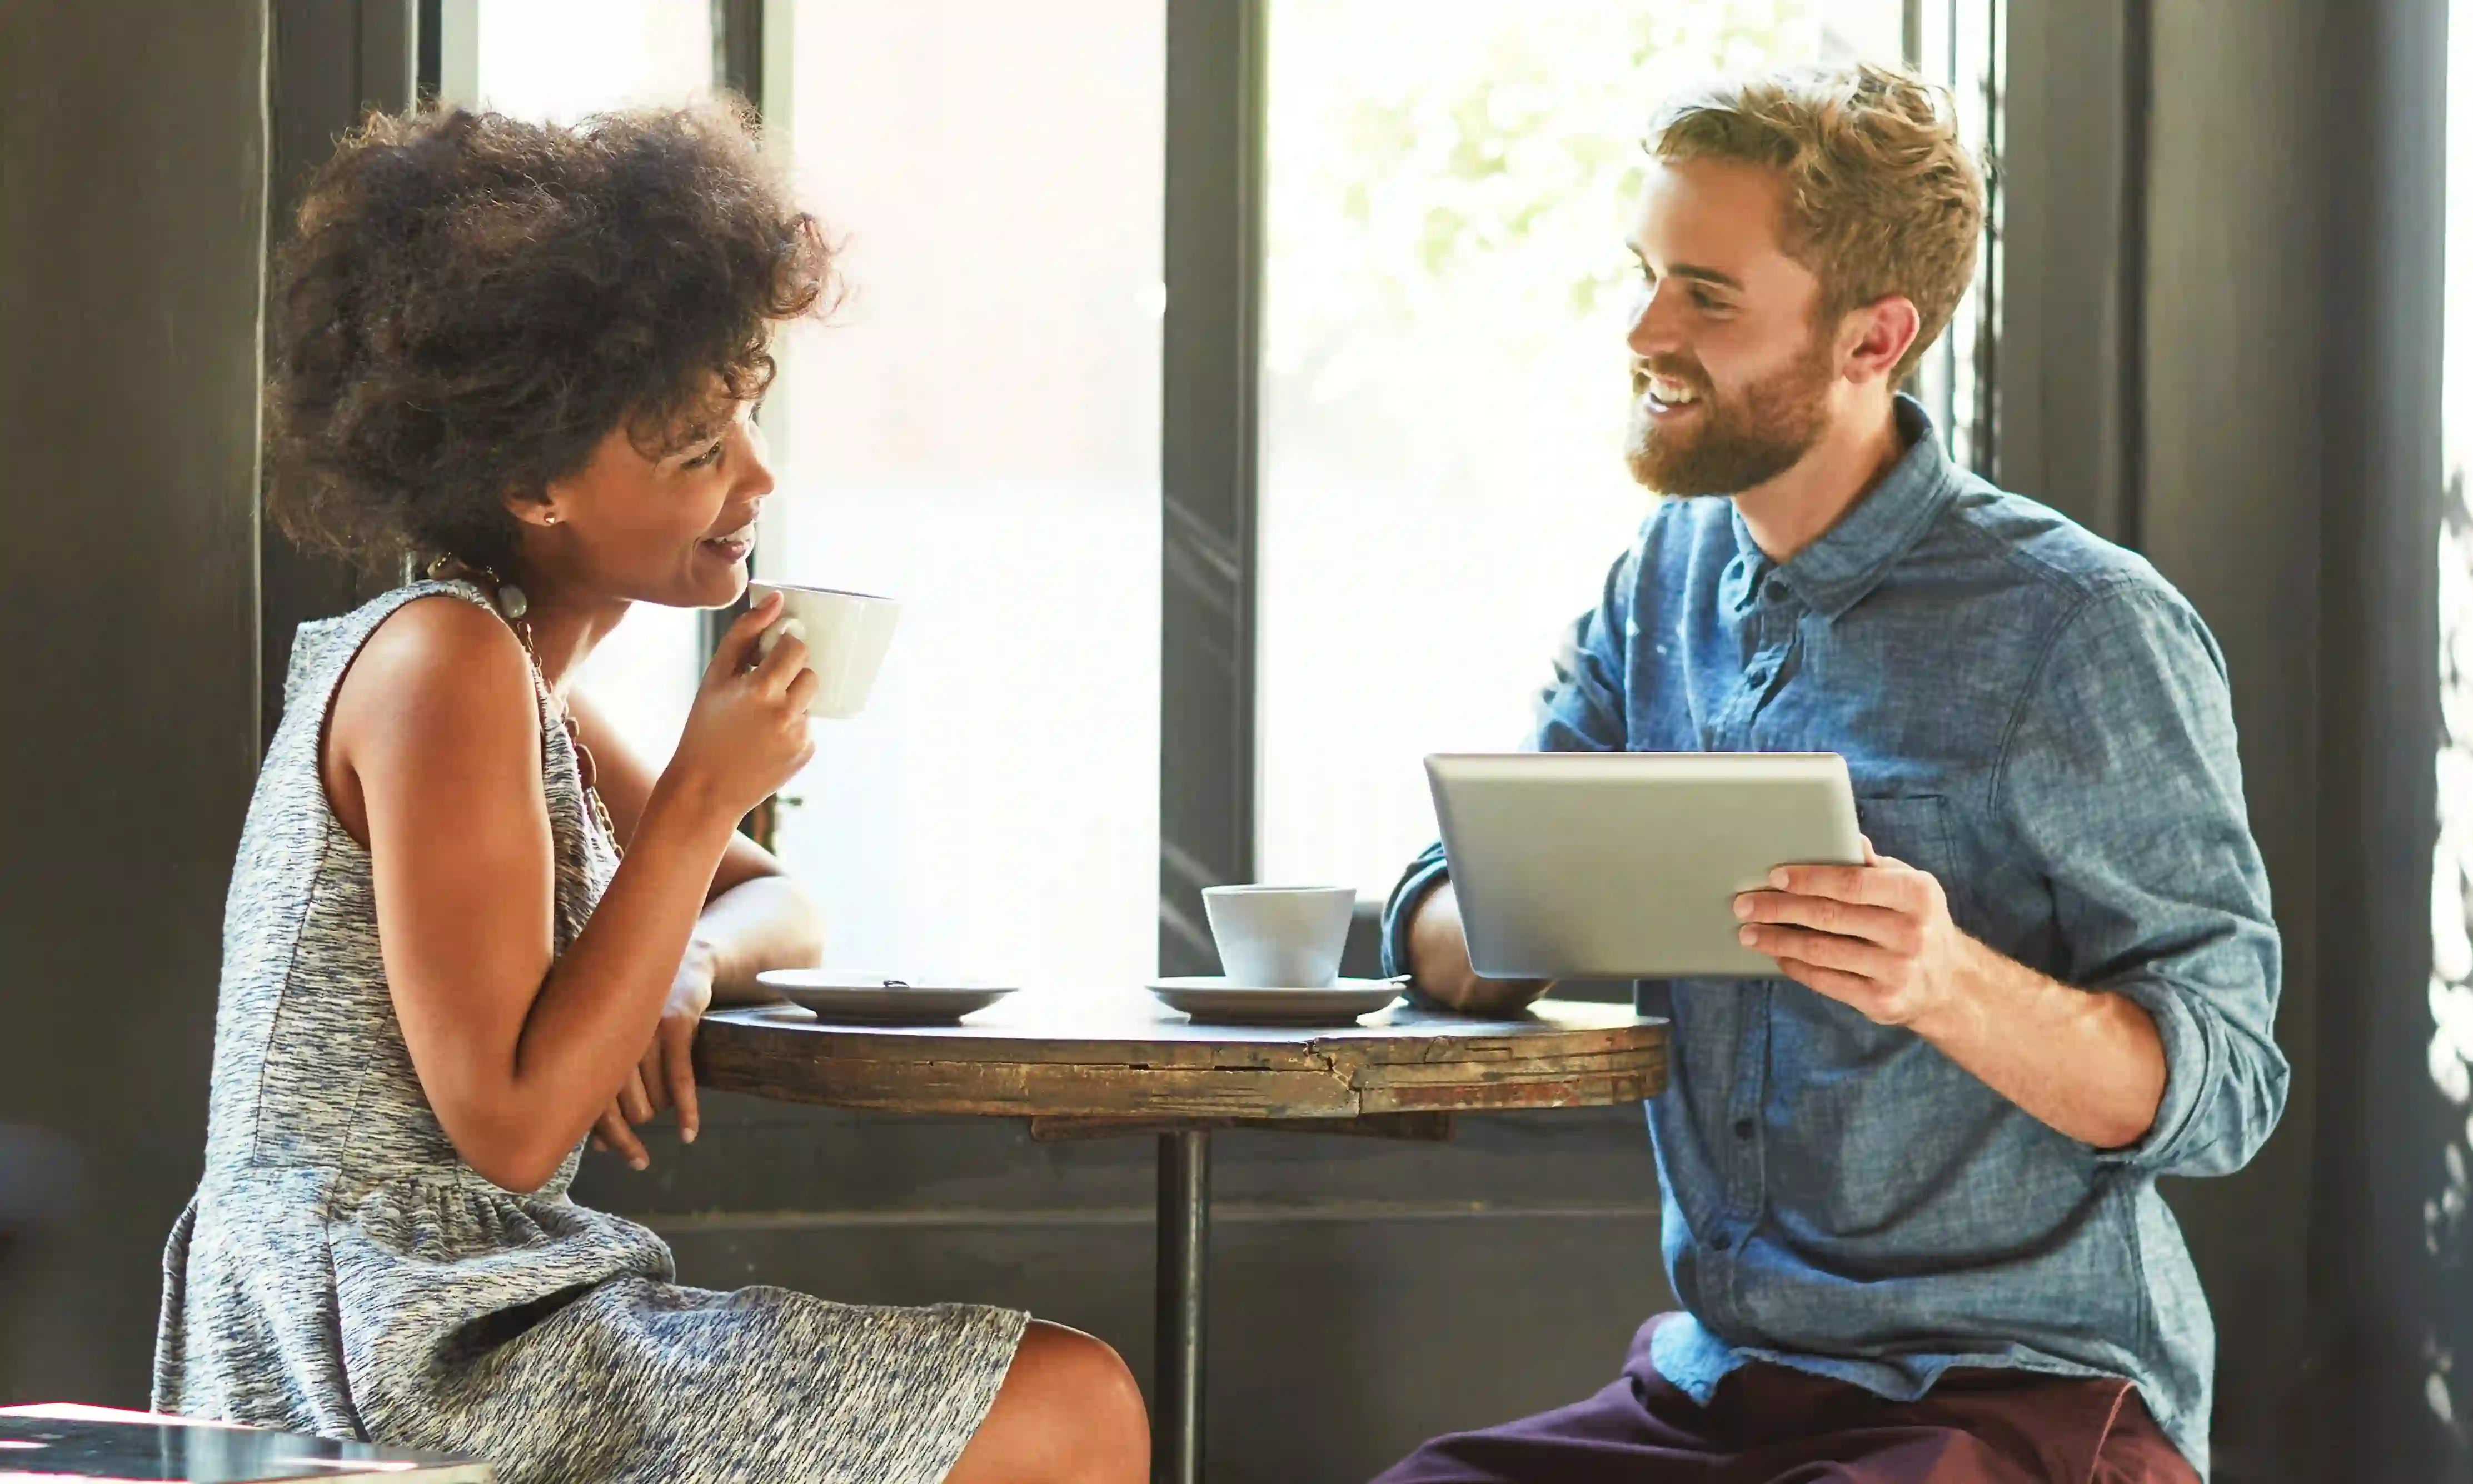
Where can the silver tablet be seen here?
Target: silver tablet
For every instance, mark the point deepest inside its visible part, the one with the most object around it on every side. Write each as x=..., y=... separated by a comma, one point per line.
x=1626, y=865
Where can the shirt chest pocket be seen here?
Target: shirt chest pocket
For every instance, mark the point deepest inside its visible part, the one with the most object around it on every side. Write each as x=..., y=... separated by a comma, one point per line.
x=1916, y=829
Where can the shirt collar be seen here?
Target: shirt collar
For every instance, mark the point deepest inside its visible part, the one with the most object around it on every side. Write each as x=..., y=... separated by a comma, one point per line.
x=1840, y=569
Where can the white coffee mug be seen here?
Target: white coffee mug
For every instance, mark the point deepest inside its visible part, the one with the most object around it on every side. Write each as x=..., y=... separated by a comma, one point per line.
x=1280, y=937
x=846, y=634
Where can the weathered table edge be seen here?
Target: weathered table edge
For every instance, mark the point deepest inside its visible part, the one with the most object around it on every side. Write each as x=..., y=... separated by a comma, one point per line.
x=1338, y=1077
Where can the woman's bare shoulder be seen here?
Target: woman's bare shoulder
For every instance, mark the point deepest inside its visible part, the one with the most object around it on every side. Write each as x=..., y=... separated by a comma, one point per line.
x=444, y=667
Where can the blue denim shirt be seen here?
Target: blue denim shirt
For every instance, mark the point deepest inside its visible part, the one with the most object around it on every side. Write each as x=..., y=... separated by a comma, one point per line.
x=2038, y=719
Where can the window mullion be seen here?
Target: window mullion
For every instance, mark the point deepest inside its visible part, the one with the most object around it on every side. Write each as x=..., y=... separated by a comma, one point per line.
x=1210, y=349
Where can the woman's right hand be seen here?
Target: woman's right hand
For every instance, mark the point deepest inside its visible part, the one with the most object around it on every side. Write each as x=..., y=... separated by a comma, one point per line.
x=748, y=733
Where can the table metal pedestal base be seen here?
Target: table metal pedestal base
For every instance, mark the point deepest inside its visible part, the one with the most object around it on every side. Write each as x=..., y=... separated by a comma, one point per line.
x=1184, y=1255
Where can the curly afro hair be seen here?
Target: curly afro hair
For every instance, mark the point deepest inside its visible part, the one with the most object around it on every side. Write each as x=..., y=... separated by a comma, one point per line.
x=470, y=302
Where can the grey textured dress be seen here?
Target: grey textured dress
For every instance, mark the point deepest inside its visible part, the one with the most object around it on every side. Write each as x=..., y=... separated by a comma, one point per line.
x=342, y=1270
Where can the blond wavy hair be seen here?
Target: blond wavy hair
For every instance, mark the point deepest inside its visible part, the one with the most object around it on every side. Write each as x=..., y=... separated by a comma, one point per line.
x=1882, y=196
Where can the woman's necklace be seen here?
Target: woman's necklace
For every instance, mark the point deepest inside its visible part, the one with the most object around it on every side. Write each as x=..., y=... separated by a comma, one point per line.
x=514, y=607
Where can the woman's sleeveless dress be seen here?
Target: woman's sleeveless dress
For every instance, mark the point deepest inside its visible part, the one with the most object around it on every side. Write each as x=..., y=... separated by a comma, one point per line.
x=342, y=1270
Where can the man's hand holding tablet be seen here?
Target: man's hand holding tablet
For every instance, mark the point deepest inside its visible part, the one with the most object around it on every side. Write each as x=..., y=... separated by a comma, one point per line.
x=1877, y=937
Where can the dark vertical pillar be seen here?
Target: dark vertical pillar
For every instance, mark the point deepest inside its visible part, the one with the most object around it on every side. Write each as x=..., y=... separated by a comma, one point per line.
x=738, y=47
x=2135, y=176
x=2224, y=491
x=2069, y=347
x=132, y=190
x=2389, y=1282
x=738, y=66
x=329, y=62
x=1210, y=349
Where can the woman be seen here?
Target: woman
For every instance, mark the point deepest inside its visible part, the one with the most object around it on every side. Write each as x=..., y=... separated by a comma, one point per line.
x=469, y=926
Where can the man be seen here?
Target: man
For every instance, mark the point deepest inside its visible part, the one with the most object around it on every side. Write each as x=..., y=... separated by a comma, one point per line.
x=1909, y=1202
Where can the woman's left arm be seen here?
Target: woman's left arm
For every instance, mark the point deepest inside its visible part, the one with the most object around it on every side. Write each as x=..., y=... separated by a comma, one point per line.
x=754, y=918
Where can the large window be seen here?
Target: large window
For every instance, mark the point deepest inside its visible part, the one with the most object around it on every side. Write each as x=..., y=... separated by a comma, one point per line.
x=979, y=433
x=976, y=434
x=1443, y=387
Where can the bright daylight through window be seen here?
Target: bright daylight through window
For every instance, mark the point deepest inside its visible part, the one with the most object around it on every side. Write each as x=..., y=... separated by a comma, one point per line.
x=1443, y=484
x=978, y=434
x=975, y=434
x=978, y=437
x=563, y=60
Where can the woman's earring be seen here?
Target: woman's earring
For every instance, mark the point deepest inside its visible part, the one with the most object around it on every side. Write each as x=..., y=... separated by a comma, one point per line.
x=550, y=519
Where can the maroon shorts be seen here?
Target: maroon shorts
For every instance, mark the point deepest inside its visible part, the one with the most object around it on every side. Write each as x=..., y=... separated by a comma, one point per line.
x=1771, y=1425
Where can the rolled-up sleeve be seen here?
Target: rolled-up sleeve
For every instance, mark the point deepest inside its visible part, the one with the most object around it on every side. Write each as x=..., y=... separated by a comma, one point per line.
x=1580, y=710
x=2121, y=778
x=1422, y=876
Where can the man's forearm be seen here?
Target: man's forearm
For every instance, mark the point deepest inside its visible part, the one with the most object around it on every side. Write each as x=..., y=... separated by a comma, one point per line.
x=1438, y=962
x=2085, y=1062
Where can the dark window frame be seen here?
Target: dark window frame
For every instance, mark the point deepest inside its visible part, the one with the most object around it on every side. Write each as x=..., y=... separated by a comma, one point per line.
x=1211, y=350
x=328, y=63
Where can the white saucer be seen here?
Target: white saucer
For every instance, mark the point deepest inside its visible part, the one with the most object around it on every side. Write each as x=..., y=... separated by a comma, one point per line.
x=880, y=999
x=1212, y=999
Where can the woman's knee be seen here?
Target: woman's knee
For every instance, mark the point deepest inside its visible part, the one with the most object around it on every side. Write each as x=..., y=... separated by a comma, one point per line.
x=1081, y=1387
x=1070, y=1412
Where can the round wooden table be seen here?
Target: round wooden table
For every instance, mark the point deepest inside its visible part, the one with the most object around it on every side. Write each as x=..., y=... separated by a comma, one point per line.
x=1085, y=1066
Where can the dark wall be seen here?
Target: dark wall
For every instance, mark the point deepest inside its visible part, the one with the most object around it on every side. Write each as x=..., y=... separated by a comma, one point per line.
x=2392, y=1305
x=2228, y=505
x=2068, y=251
x=328, y=62
x=133, y=176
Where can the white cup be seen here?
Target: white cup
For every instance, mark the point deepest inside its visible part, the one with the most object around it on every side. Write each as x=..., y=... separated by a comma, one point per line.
x=1280, y=937
x=846, y=634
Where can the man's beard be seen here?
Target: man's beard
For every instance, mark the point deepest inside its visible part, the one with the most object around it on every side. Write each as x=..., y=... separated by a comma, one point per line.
x=1734, y=443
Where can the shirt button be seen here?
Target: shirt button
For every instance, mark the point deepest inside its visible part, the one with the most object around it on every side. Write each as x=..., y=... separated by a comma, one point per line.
x=1742, y=1128
x=1775, y=590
